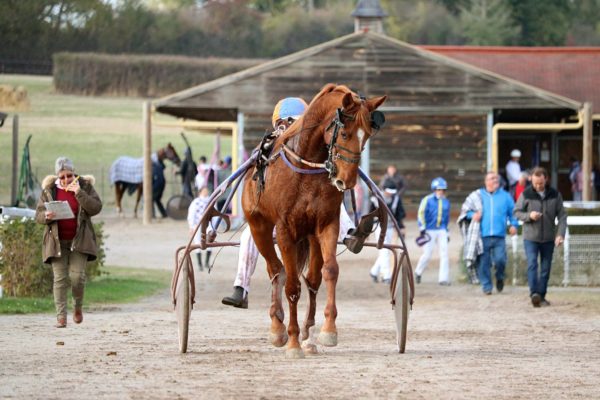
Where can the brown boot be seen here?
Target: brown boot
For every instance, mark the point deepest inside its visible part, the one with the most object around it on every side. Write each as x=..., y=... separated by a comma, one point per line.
x=61, y=321
x=78, y=315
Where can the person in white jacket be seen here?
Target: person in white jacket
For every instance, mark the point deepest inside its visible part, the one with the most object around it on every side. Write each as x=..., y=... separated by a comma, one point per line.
x=513, y=168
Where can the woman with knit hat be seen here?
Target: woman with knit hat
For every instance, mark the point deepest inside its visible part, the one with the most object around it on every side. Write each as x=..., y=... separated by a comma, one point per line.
x=69, y=243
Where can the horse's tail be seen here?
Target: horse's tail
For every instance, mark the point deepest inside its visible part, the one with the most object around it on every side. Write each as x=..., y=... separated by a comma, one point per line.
x=302, y=254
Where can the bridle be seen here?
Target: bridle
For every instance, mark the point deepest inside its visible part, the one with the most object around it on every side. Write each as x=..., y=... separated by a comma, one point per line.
x=337, y=123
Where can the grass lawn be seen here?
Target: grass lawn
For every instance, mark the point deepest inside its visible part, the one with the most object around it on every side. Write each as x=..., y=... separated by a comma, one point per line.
x=120, y=285
x=93, y=131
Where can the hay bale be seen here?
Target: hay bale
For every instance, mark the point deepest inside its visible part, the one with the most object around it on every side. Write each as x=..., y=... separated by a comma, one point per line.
x=13, y=98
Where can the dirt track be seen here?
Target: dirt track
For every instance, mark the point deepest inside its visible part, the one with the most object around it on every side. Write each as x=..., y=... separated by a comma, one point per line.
x=461, y=344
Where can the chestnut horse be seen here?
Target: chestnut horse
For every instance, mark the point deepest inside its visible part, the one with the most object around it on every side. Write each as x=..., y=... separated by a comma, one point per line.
x=126, y=173
x=303, y=204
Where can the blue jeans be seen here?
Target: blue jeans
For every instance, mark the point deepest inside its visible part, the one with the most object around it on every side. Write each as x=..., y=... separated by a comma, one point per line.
x=494, y=250
x=538, y=280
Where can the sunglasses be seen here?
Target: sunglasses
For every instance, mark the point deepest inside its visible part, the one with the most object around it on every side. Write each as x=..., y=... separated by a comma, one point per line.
x=65, y=176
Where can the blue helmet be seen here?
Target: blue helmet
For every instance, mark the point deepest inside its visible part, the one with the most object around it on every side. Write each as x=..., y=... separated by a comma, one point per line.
x=290, y=107
x=439, y=183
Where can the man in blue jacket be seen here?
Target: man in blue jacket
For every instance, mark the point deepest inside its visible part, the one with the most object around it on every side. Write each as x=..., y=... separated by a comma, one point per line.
x=497, y=209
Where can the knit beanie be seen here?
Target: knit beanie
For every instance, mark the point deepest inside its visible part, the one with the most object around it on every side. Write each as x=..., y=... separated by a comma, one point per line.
x=63, y=163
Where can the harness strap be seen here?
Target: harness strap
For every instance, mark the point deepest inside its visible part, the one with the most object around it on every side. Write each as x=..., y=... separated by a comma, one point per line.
x=287, y=162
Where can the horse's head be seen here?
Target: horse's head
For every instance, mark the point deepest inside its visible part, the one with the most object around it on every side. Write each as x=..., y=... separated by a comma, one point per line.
x=169, y=153
x=351, y=121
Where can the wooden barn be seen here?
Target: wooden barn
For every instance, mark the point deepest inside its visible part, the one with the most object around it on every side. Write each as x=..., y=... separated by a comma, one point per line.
x=441, y=113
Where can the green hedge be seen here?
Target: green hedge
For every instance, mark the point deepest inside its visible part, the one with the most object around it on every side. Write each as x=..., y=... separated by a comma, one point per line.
x=141, y=76
x=23, y=271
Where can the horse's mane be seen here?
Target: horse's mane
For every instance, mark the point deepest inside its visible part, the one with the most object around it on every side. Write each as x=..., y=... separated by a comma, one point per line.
x=315, y=107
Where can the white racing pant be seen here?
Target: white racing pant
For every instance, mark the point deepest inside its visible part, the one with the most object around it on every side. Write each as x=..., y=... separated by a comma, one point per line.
x=441, y=237
x=382, y=263
x=249, y=252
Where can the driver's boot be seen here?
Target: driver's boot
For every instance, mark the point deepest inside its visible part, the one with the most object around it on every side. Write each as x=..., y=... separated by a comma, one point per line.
x=238, y=299
x=355, y=238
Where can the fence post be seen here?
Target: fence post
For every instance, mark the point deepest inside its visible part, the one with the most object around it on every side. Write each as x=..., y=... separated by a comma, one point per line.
x=566, y=257
x=147, y=183
x=15, y=160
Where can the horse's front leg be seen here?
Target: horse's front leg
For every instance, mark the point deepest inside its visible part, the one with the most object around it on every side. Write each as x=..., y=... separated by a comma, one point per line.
x=262, y=234
x=313, y=282
x=288, y=249
x=328, y=240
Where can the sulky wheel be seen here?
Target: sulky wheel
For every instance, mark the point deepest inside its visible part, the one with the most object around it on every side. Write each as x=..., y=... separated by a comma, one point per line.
x=402, y=307
x=183, y=305
x=177, y=206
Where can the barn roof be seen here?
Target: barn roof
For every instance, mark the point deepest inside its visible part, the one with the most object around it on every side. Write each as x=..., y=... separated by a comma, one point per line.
x=413, y=78
x=573, y=72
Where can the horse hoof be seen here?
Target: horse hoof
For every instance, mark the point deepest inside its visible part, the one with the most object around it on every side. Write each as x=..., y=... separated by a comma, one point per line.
x=309, y=348
x=328, y=339
x=277, y=339
x=294, y=353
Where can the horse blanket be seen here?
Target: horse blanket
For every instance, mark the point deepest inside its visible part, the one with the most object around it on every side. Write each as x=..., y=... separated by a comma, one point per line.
x=128, y=169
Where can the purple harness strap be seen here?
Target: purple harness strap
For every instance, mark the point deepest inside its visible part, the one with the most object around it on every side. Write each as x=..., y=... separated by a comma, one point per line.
x=301, y=170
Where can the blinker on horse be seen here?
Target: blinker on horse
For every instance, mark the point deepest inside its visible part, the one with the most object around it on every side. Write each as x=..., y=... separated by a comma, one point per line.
x=126, y=173
x=312, y=163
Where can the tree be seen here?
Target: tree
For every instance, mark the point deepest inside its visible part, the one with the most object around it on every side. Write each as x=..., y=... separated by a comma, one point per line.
x=296, y=29
x=585, y=25
x=542, y=23
x=488, y=22
x=421, y=22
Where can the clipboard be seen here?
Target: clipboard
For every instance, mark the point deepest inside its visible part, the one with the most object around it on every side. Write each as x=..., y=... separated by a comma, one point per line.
x=61, y=209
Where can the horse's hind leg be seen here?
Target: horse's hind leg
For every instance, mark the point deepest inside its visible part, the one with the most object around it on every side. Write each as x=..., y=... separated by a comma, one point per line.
x=330, y=271
x=262, y=233
x=118, y=196
x=313, y=282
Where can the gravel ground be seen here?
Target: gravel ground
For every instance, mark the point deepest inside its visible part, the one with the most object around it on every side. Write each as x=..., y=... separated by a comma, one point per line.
x=461, y=344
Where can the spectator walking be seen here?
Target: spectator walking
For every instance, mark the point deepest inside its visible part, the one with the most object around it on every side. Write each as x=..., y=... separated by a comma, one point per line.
x=520, y=186
x=382, y=263
x=69, y=243
x=538, y=208
x=496, y=209
x=513, y=168
x=433, y=217
x=393, y=179
x=392, y=175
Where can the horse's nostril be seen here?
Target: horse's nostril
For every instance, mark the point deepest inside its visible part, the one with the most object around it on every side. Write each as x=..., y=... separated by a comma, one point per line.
x=340, y=184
